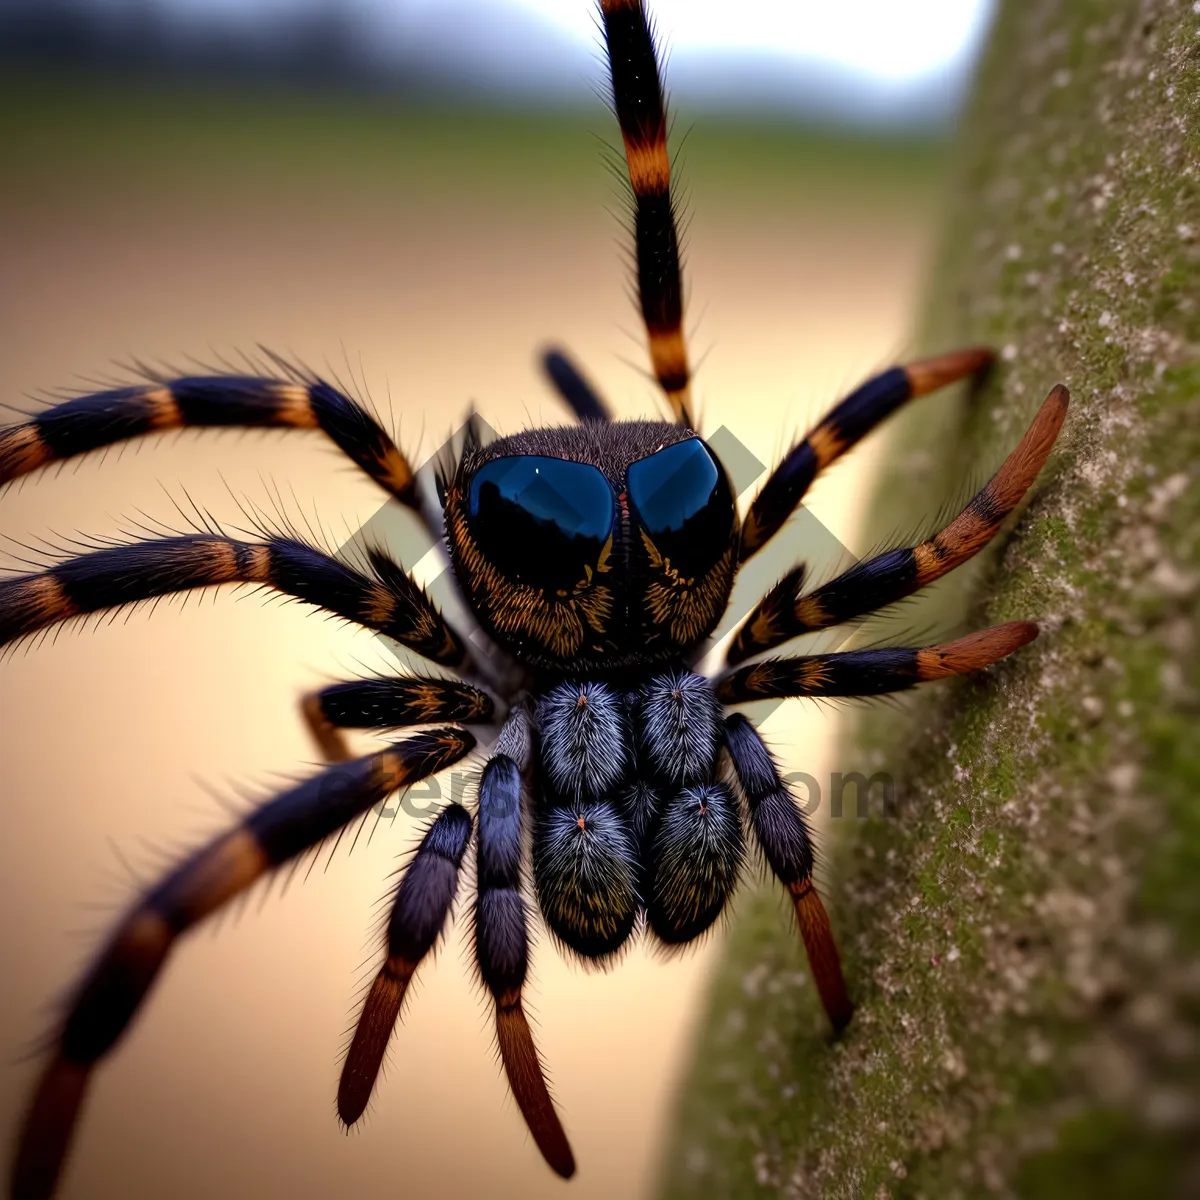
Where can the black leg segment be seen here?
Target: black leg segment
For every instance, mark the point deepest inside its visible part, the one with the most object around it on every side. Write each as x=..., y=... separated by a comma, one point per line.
x=103, y=418
x=386, y=600
x=849, y=421
x=419, y=914
x=783, y=835
x=117, y=983
x=788, y=611
x=873, y=672
x=502, y=937
x=569, y=382
x=637, y=96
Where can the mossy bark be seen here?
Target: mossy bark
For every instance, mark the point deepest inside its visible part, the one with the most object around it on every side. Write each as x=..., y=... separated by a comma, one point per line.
x=1021, y=927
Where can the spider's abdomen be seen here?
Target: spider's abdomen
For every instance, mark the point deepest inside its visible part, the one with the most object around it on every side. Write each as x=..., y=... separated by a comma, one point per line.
x=629, y=815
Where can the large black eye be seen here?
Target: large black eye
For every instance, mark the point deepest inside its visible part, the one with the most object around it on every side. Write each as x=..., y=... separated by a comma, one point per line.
x=685, y=505
x=540, y=521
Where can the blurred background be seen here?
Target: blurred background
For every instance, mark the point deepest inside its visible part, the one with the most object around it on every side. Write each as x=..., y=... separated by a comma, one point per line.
x=413, y=196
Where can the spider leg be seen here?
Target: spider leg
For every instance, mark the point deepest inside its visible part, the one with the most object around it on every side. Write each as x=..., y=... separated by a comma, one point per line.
x=849, y=421
x=386, y=600
x=419, y=913
x=873, y=672
x=502, y=936
x=115, y=986
x=102, y=418
x=783, y=834
x=786, y=611
x=637, y=96
x=389, y=703
x=570, y=383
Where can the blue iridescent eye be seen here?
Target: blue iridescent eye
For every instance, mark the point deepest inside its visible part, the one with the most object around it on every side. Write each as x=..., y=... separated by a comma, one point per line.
x=683, y=501
x=540, y=521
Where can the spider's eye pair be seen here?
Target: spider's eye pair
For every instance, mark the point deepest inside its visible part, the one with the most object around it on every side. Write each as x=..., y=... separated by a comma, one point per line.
x=542, y=521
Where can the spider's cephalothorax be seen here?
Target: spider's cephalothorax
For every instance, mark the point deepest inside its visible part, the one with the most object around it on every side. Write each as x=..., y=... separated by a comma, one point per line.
x=599, y=558
x=597, y=549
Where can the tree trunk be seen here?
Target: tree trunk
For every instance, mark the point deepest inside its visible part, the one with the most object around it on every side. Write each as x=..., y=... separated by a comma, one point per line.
x=1021, y=926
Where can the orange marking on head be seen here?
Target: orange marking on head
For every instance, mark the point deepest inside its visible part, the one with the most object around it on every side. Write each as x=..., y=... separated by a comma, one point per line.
x=22, y=450
x=974, y=651
x=929, y=374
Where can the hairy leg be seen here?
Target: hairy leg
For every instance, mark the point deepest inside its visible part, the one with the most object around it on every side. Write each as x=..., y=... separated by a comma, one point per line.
x=781, y=831
x=848, y=422
x=389, y=703
x=569, y=382
x=103, y=418
x=637, y=96
x=419, y=913
x=502, y=936
x=873, y=672
x=788, y=611
x=386, y=600
x=118, y=982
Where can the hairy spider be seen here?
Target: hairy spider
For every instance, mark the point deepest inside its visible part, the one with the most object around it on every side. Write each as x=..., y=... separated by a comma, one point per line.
x=597, y=558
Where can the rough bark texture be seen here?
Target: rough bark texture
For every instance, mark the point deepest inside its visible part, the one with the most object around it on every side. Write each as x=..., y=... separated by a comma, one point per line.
x=1022, y=928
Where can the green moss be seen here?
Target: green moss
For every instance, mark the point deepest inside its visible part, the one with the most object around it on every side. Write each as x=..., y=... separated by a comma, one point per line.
x=1020, y=930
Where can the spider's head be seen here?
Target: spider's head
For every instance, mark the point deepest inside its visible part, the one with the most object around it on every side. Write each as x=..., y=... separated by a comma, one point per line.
x=594, y=548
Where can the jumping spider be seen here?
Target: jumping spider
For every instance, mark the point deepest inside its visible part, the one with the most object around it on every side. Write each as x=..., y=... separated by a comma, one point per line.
x=597, y=558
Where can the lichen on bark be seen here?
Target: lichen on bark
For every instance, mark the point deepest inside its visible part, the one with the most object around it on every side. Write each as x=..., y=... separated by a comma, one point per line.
x=1022, y=927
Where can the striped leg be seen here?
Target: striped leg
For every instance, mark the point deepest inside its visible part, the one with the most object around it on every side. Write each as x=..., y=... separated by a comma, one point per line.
x=566, y=378
x=389, y=704
x=784, y=837
x=641, y=112
x=502, y=937
x=103, y=418
x=419, y=914
x=787, y=611
x=114, y=988
x=850, y=420
x=386, y=600
x=873, y=672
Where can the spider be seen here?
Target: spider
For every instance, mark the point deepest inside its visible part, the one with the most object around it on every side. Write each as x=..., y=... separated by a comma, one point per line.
x=619, y=794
